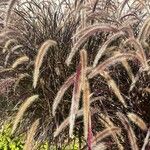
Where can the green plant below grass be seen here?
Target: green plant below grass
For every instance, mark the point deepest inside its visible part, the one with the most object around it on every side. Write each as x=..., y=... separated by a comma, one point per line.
x=7, y=142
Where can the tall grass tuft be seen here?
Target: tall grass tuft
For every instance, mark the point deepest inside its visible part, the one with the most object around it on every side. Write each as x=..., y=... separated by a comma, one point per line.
x=78, y=91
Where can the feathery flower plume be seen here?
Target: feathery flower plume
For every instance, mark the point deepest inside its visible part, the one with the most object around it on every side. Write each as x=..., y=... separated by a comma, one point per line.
x=16, y=48
x=8, y=43
x=75, y=99
x=78, y=83
x=39, y=59
x=19, y=61
x=128, y=69
x=86, y=92
x=22, y=110
x=90, y=134
x=146, y=89
x=114, y=87
x=137, y=120
x=86, y=106
x=100, y=146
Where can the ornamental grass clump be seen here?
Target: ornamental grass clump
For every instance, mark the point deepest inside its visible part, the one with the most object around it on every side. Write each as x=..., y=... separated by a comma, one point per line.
x=86, y=63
